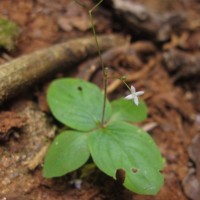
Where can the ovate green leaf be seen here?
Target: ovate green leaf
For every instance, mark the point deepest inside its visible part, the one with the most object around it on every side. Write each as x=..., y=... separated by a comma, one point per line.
x=77, y=103
x=67, y=153
x=126, y=110
x=121, y=146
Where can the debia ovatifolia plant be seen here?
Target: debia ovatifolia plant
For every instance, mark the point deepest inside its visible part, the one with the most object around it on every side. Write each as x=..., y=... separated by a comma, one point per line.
x=102, y=130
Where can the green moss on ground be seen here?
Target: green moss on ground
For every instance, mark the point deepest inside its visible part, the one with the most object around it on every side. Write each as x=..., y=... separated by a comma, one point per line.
x=9, y=31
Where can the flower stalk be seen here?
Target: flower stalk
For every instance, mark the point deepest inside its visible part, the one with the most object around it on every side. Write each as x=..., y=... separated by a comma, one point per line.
x=104, y=69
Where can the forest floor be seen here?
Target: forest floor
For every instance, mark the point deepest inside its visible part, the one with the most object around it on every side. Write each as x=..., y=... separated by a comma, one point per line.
x=167, y=70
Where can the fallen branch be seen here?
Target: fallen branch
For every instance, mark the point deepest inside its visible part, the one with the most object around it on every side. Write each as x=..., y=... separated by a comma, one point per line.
x=144, y=21
x=25, y=71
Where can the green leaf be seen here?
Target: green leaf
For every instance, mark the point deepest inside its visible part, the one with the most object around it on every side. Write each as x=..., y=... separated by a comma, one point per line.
x=126, y=110
x=67, y=153
x=124, y=146
x=77, y=103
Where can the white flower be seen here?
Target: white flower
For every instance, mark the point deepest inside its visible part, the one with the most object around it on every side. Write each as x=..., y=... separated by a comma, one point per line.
x=134, y=95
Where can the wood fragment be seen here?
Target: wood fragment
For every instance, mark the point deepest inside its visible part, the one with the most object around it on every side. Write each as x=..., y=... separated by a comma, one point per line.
x=38, y=159
x=149, y=126
x=25, y=71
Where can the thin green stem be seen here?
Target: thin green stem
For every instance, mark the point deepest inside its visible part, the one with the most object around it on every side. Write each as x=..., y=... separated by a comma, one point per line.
x=95, y=36
x=125, y=84
x=93, y=30
x=104, y=99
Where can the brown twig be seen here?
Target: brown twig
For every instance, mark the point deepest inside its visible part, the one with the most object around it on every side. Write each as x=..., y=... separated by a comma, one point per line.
x=132, y=77
x=89, y=67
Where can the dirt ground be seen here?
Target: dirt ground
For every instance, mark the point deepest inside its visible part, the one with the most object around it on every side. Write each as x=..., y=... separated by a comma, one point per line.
x=168, y=70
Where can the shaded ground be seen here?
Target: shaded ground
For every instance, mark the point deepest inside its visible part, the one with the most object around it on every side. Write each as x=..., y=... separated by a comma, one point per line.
x=172, y=97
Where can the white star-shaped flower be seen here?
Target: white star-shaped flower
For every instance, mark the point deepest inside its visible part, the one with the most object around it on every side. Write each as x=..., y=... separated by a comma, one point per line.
x=134, y=95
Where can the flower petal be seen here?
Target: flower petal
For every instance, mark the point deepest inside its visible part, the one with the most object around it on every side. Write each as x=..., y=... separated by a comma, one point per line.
x=132, y=89
x=136, y=101
x=130, y=96
x=139, y=93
